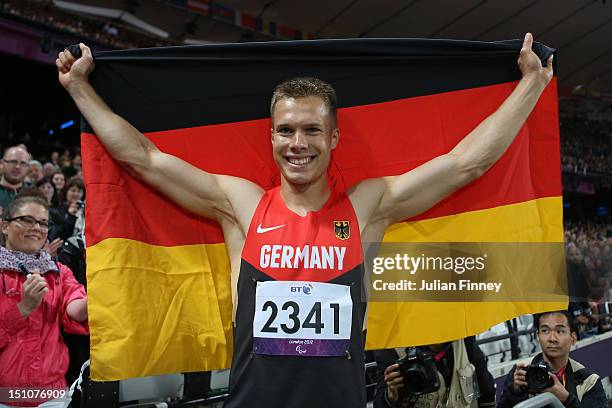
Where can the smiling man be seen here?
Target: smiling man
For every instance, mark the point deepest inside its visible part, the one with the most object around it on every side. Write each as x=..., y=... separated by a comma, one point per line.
x=573, y=384
x=15, y=166
x=295, y=250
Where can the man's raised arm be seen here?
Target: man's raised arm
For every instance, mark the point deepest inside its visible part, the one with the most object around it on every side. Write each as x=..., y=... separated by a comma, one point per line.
x=192, y=188
x=392, y=199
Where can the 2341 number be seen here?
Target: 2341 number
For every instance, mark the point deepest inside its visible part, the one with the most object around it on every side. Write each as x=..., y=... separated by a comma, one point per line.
x=312, y=321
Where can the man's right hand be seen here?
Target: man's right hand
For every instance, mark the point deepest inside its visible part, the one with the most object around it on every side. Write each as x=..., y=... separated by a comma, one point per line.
x=33, y=290
x=72, y=70
x=520, y=382
x=529, y=63
x=394, y=381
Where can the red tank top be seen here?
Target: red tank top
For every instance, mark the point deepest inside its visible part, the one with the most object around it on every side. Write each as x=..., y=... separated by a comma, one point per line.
x=318, y=247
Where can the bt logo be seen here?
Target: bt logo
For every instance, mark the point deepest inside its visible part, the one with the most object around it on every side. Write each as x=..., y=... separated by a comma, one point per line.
x=306, y=289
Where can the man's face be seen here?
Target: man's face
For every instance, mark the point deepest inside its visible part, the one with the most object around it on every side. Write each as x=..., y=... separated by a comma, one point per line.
x=35, y=173
x=15, y=165
x=303, y=136
x=574, y=255
x=47, y=169
x=554, y=335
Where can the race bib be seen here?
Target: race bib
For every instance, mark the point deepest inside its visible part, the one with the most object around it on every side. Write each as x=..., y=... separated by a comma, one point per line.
x=306, y=319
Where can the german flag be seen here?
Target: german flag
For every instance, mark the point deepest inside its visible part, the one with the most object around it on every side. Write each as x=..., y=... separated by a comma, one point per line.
x=159, y=277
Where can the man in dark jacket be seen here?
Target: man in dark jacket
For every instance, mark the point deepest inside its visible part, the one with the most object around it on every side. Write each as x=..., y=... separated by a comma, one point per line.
x=388, y=390
x=573, y=384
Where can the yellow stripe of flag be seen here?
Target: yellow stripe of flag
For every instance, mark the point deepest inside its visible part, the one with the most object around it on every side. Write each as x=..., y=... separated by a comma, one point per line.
x=200, y=310
x=538, y=220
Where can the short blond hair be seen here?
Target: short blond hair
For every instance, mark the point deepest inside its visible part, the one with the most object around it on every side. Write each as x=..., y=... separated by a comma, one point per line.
x=303, y=87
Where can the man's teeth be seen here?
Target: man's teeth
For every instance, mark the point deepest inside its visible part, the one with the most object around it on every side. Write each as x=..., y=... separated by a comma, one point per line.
x=300, y=161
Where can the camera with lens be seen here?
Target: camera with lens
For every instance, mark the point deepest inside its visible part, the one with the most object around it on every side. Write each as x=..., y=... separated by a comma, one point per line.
x=420, y=374
x=537, y=377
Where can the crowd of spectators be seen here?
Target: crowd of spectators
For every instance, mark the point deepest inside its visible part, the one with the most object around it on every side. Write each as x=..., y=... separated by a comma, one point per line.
x=589, y=256
x=589, y=264
x=95, y=29
x=586, y=146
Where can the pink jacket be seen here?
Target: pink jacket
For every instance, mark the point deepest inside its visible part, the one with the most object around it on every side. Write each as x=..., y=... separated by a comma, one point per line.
x=32, y=352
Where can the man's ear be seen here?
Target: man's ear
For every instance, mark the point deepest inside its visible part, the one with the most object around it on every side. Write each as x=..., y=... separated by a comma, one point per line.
x=574, y=338
x=5, y=226
x=335, y=138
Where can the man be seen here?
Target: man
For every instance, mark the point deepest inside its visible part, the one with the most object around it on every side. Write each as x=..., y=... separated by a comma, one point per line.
x=459, y=365
x=303, y=215
x=584, y=320
x=15, y=166
x=35, y=172
x=48, y=169
x=573, y=384
x=55, y=159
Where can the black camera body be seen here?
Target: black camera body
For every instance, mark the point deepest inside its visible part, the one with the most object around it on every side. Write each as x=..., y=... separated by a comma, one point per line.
x=420, y=373
x=537, y=377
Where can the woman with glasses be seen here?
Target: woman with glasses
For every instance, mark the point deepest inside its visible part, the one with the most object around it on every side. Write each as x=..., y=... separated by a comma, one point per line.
x=38, y=298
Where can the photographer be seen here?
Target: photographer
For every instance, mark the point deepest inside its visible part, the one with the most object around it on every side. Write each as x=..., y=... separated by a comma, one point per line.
x=552, y=370
x=585, y=321
x=605, y=310
x=458, y=368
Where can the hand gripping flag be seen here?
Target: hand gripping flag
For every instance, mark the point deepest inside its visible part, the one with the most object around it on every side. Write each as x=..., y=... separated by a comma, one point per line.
x=159, y=277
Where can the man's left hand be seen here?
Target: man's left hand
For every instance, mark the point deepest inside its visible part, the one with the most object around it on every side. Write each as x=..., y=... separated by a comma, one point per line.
x=558, y=390
x=529, y=63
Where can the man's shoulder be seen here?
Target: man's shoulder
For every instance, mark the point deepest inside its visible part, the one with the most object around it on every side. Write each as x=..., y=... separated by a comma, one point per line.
x=244, y=197
x=581, y=373
x=6, y=196
x=6, y=190
x=365, y=189
x=365, y=198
